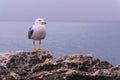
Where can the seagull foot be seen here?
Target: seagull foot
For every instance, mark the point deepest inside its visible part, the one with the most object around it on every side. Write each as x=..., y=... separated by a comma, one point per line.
x=34, y=51
x=39, y=50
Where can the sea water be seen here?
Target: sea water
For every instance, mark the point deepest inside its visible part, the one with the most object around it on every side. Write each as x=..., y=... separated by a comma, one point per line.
x=101, y=39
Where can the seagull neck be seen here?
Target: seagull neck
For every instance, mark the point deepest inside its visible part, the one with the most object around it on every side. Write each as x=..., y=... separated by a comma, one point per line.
x=39, y=24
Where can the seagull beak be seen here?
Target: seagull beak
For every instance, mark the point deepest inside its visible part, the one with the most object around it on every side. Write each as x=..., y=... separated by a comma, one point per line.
x=44, y=22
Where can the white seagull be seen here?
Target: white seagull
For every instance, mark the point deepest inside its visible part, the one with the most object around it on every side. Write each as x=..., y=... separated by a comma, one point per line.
x=37, y=32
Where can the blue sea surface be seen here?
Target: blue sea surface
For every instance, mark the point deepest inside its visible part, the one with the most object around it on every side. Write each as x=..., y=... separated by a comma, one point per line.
x=101, y=39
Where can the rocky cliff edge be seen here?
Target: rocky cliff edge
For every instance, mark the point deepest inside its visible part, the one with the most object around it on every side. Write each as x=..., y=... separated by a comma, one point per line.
x=21, y=65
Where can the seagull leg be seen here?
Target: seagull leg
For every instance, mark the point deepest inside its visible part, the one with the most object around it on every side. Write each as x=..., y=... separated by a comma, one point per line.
x=34, y=50
x=40, y=50
x=34, y=44
x=39, y=44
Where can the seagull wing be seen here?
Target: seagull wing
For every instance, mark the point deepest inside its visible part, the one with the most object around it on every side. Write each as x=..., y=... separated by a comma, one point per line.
x=30, y=32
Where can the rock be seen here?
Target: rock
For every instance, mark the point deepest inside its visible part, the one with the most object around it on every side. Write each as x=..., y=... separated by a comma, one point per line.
x=3, y=70
x=13, y=76
x=21, y=65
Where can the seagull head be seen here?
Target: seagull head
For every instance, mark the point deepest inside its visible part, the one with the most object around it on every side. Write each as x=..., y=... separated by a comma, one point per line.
x=40, y=21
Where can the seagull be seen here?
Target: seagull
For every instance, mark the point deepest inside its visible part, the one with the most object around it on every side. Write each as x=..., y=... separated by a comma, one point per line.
x=37, y=32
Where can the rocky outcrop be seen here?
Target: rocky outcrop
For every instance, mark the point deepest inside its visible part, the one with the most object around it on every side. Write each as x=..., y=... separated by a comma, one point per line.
x=22, y=65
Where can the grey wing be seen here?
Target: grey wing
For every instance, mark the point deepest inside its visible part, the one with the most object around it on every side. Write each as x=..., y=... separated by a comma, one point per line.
x=30, y=32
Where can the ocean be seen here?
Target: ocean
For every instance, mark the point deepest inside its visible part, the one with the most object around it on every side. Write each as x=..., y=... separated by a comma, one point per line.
x=101, y=39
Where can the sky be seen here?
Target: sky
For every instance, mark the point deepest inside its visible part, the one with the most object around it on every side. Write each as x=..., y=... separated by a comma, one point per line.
x=82, y=10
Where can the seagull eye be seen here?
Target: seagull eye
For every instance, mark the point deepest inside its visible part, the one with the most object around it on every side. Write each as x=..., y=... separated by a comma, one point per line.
x=39, y=20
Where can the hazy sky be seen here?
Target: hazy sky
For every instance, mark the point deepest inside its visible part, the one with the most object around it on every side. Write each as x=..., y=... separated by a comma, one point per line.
x=83, y=10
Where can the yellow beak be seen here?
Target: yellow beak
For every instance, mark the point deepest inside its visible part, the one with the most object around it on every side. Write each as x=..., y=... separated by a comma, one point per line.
x=43, y=22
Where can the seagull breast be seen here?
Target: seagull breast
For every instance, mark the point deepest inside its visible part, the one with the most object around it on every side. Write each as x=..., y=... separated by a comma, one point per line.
x=39, y=32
